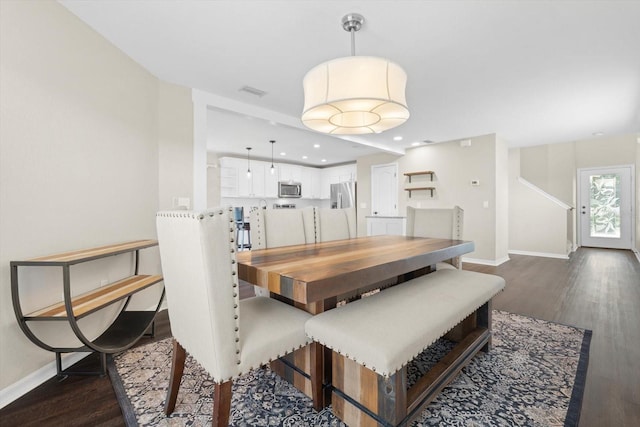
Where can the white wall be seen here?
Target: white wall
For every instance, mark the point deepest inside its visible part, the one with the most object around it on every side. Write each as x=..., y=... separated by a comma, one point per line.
x=79, y=155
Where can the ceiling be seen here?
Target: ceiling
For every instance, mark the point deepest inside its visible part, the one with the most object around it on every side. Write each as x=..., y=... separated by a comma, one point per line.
x=534, y=72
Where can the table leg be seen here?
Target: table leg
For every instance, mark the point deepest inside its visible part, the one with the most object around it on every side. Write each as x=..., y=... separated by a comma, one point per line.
x=309, y=368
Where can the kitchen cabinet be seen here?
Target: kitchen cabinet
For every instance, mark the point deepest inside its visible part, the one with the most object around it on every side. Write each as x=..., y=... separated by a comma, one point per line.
x=228, y=181
x=290, y=173
x=335, y=175
x=393, y=225
x=311, y=183
x=271, y=180
x=234, y=171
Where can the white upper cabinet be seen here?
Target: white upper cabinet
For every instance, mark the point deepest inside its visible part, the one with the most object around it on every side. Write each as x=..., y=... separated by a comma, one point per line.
x=335, y=175
x=262, y=183
x=290, y=173
x=311, y=183
x=235, y=182
x=271, y=180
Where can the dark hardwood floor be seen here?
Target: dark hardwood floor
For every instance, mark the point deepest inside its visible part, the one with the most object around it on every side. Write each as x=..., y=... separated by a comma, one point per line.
x=596, y=289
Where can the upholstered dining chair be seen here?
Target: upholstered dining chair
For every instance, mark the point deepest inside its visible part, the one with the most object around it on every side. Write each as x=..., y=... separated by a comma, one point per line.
x=438, y=223
x=272, y=228
x=335, y=224
x=227, y=336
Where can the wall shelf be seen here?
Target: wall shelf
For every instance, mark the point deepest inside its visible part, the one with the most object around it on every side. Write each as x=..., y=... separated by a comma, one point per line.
x=420, y=189
x=124, y=330
x=410, y=174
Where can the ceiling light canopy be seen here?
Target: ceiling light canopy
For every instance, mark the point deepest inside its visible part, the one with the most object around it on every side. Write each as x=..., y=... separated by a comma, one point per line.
x=355, y=94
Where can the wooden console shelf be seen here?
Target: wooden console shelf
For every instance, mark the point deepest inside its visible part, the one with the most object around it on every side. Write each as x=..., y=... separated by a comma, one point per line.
x=96, y=299
x=124, y=330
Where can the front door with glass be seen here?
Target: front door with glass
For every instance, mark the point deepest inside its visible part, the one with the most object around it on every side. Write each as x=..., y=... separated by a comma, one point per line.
x=606, y=207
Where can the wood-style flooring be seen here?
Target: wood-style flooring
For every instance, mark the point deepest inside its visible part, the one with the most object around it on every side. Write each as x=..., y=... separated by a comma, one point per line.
x=597, y=289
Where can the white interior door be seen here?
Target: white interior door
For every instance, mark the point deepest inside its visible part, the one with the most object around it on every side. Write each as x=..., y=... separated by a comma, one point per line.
x=384, y=190
x=606, y=207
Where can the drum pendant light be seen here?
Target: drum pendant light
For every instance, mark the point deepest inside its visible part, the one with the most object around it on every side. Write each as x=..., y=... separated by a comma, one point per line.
x=355, y=94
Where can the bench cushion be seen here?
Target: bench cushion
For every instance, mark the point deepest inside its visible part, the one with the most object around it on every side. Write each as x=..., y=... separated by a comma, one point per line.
x=385, y=331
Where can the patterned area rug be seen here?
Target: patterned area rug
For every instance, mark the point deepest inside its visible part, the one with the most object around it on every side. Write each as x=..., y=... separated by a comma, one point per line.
x=534, y=376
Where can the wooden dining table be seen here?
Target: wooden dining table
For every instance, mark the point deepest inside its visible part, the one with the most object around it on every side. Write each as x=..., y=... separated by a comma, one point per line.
x=316, y=276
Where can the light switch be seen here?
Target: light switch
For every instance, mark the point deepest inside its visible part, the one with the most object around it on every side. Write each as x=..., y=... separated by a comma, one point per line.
x=485, y=204
x=475, y=182
x=363, y=205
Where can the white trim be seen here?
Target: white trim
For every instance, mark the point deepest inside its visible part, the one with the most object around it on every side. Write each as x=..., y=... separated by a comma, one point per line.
x=493, y=263
x=36, y=378
x=637, y=253
x=544, y=193
x=540, y=254
x=217, y=101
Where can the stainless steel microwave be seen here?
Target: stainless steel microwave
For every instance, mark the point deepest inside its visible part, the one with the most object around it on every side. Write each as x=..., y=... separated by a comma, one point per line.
x=288, y=189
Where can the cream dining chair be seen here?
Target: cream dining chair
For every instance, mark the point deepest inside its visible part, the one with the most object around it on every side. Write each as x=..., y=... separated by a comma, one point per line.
x=335, y=224
x=272, y=228
x=438, y=223
x=227, y=336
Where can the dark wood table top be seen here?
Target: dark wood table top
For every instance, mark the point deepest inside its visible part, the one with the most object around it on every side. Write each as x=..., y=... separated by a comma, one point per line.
x=318, y=271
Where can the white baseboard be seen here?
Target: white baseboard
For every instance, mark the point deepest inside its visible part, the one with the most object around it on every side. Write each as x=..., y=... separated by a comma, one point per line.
x=637, y=252
x=34, y=379
x=540, y=254
x=491, y=262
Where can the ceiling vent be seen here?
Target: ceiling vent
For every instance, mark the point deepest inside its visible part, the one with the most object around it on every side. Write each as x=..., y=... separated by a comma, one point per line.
x=253, y=91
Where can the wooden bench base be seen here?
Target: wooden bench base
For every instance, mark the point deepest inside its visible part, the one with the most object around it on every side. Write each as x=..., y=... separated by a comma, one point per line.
x=360, y=397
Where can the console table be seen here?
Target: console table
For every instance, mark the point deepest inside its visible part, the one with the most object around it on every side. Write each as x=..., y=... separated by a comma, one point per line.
x=124, y=330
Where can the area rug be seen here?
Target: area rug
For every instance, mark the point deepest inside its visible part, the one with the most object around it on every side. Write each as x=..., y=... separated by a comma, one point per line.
x=534, y=376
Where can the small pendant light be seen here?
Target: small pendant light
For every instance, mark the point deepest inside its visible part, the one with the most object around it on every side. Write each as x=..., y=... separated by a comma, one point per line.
x=273, y=169
x=248, y=163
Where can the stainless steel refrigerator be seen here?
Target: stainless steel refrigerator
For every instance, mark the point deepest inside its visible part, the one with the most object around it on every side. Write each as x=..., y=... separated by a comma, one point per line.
x=343, y=195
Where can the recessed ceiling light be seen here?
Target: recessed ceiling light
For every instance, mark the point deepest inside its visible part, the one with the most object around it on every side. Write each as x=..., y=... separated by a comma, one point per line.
x=597, y=133
x=283, y=153
x=305, y=157
x=316, y=145
x=415, y=144
x=397, y=138
x=323, y=160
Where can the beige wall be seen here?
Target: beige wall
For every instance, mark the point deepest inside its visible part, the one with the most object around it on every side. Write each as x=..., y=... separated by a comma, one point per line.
x=175, y=144
x=554, y=167
x=537, y=224
x=84, y=129
x=455, y=166
x=502, y=199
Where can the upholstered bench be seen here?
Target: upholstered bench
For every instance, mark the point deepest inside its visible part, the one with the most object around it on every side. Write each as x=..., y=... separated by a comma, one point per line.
x=373, y=340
